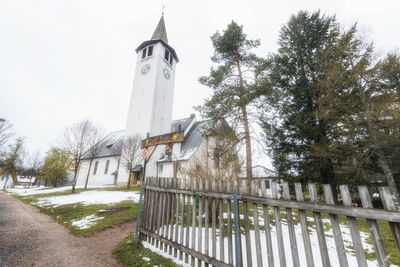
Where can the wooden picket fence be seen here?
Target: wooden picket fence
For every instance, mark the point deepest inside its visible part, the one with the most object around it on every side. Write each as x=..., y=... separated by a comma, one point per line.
x=210, y=222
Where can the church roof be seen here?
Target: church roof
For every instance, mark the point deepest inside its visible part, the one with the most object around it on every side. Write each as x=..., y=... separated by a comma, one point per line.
x=110, y=145
x=160, y=31
x=184, y=123
x=192, y=141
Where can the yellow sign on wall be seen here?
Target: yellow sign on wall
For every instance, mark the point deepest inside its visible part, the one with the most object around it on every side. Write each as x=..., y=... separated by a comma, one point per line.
x=176, y=137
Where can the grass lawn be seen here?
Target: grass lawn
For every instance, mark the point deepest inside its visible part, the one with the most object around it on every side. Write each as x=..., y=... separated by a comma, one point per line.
x=138, y=256
x=110, y=214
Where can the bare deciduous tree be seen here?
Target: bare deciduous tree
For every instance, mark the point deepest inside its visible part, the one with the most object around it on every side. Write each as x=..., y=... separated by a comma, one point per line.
x=33, y=165
x=12, y=160
x=76, y=140
x=130, y=153
x=5, y=131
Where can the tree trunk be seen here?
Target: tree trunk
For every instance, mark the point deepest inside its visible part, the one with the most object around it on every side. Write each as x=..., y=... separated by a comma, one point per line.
x=249, y=164
x=129, y=179
x=14, y=177
x=76, y=167
x=88, y=173
x=383, y=164
x=249, y=167
x=4, y=187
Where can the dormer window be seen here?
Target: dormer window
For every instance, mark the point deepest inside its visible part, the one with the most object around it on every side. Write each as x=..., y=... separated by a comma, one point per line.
x=147, y=52
x=168, y=57
x=150, y=51
x=144, y=53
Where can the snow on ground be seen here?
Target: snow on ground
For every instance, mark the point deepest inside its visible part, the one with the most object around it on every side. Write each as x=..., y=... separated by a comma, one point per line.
x=86, y=222
x=89, y=198
x=23, y=191
x=313, y=238
x=165, y=254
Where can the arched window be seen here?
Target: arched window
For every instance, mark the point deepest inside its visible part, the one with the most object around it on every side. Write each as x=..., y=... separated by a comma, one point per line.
x=95, y=167
x=106, y=168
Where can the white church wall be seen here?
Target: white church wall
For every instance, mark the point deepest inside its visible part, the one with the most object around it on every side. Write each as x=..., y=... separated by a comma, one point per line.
x=100, y=178
x=165, y=169
x=151, y=166
x=123, y=175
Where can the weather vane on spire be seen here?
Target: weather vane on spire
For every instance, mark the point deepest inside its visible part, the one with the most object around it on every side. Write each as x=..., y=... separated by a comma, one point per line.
x=163, y=9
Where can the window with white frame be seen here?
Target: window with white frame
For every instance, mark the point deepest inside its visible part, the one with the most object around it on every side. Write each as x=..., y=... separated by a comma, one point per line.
x=168, y=57
x=147, y=52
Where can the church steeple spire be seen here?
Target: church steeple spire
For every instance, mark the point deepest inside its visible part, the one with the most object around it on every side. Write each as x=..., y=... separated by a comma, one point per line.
x=160, y=32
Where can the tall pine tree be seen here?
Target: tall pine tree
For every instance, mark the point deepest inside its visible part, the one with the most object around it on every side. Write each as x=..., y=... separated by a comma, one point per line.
x=232, y=82
x=292, y=77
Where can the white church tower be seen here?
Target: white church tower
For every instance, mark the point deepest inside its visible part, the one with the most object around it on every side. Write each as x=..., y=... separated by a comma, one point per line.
x=150, y=109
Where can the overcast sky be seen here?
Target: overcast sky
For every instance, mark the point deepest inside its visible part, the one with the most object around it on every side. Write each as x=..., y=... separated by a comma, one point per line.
x=63, y=61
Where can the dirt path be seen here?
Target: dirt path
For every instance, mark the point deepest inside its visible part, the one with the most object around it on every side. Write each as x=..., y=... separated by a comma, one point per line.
x=30, y=238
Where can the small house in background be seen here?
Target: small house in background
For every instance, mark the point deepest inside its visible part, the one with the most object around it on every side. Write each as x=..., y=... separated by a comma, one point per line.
x=262, y=175
x=26, y=178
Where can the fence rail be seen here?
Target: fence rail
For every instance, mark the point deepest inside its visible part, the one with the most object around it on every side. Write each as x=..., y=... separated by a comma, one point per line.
x=221, y=223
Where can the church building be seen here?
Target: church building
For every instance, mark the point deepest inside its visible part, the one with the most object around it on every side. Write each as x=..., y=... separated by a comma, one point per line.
x=150, y=115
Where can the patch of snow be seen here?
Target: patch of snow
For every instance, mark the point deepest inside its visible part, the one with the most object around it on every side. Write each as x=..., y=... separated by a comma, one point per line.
x=146, y=258
x=164, y=254
x=23, y=191
x=89, y=198
x=86, y=222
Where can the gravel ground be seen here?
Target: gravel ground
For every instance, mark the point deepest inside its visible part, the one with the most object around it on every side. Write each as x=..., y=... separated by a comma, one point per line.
x=29, y=238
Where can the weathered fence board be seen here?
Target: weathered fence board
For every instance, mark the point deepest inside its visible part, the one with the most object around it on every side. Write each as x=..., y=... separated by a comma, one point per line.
x=355, y=234
x=304, y=227
x=193, y=221
x=207, y=222
x=221, y=225
x=278, y=226
x=373, y=227
x=246, y=225
x=229, y=226
x=267, y=226
x=323, y=249
x=292, y=233
x=256, y=225
x=336, y=228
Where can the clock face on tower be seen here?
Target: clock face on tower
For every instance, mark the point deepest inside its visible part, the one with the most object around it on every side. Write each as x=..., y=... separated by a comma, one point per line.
x=166, y=73
x=145, y=69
